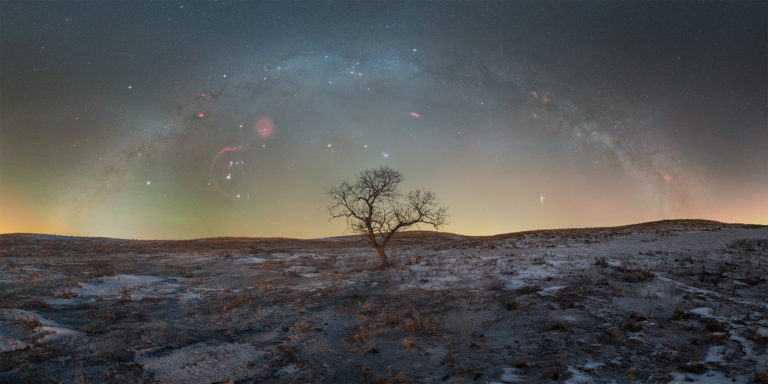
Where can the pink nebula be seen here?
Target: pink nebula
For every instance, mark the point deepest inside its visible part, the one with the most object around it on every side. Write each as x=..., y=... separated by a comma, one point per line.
x=264, y=127
x=201, y=115
x=211, y=172
x=414, y=114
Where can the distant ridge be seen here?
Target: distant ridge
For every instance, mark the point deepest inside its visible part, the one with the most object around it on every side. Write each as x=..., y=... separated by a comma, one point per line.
x=668, y=225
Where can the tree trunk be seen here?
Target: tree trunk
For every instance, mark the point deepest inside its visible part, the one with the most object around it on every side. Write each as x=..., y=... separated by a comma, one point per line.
x=382, y=256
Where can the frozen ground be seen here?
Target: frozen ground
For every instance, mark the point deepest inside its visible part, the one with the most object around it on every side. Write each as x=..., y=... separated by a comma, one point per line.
x=664, y=302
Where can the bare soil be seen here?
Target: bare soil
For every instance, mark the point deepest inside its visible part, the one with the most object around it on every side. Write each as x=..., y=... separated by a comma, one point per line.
x=672, y=301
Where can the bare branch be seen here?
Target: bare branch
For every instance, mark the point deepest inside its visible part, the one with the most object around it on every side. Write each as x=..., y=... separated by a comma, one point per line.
x=373, y=207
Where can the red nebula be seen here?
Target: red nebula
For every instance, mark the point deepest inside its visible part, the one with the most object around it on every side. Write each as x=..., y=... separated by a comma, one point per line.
x=201, y=115
x=264, y=126
x=414, y=114
x=667, y=178
x=212, y=170
x=545, y=100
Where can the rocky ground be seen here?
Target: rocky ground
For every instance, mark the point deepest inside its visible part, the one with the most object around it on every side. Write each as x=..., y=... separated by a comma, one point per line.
x=672, y=301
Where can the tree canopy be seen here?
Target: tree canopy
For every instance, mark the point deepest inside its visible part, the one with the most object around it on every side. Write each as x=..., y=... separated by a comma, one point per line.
x=373, y=207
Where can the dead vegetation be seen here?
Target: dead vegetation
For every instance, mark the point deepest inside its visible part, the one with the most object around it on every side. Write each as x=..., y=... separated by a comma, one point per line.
x=618, y=304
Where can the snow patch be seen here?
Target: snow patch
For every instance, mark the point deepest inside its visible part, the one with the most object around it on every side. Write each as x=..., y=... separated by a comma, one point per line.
x=745, y=344
x=299, y=269
x=512, y=283
x=61, y=302
x=704, y=378
x=190, y=296
x=593, y=366
x=288, y=371
x=113, y=285
x=509, y=376
x=46, y=331
x=715, y=354
x=577, y=377
x=550, y=291
x=202, y=363
x=703, y=311
x=8, y=344
x=251, y=260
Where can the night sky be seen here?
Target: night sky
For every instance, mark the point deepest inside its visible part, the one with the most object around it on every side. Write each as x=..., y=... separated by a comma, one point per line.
x=197, y=119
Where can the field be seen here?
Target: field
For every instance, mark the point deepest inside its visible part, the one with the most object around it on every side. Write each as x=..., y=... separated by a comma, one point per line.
x=671, y=301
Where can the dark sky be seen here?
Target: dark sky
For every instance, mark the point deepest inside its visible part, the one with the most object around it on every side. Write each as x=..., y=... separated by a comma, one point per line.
x=193, y=119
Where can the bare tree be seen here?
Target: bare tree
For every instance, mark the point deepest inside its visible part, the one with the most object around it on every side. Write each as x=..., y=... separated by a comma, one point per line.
x=375, y=209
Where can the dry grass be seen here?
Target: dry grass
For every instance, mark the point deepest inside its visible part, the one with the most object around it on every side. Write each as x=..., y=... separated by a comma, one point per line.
x=450, y=309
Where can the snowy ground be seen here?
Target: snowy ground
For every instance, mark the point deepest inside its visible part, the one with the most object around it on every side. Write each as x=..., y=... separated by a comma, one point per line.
x=668, y=302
